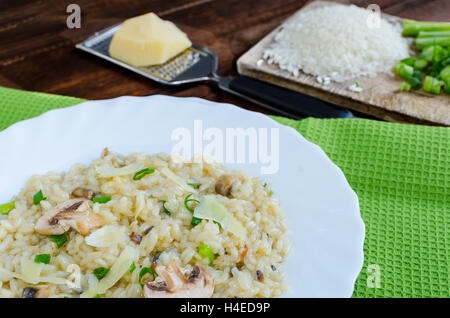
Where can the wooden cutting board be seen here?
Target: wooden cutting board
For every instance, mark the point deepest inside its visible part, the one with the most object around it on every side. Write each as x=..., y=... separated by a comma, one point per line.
x=380, y=96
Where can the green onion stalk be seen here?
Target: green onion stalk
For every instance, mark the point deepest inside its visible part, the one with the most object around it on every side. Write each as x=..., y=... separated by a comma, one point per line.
x=424, y=42
x=432, y=85
x=413, y=28
x=433, y=34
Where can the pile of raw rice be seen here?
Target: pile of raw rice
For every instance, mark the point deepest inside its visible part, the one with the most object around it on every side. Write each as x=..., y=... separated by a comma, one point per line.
x=135, y=207
x=337, y=42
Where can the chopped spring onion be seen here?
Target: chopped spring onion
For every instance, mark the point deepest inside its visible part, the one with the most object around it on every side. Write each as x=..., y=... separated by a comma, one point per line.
x=403, y=70
x=424, y=42
x=206, y=252
x=7, y=207
x=447, y=87
x=142, y=173
x=404, y=87
x=98, y=296
x=101, y=200
x=420, y=64
x=357, y=84
x=430, y=34
x=120, y=268
x=42, y=258
x=166, y=211
x=416, y=80
x=187, y=200
x=412, y=28
x=195, y=221
x=100, y=272
x=432, y=85
x=194, y=185
x=132, y=267
x=59, y=240
x=409, y=61
x=445, y=73
x=38, y=197
x=144, y=271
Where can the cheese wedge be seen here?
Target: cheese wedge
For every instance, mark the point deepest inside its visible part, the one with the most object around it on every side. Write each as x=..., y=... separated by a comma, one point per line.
x=147, y=40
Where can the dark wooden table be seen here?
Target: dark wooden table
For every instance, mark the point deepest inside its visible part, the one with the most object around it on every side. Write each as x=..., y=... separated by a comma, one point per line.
x=37, y=49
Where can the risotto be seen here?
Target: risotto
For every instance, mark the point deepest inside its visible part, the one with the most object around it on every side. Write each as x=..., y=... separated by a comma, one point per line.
x=143, y=226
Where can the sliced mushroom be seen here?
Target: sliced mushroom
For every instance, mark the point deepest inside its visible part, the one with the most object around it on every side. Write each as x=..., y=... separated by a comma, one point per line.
x=225, y=184
x=37, y=291
x=74, y=214
x=199, y=283
x=83, y=193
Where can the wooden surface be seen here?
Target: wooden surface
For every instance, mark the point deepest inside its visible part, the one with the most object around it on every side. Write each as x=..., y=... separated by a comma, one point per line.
x=37, y=49
x=380, y=96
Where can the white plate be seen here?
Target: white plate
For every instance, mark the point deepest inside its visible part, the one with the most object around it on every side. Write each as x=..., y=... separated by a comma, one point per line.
x=322, y=210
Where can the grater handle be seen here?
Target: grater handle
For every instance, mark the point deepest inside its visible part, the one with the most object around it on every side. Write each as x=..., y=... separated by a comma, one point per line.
x=287, y=101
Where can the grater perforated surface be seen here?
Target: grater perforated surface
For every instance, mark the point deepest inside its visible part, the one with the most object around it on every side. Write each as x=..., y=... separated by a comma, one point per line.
x=191, y=65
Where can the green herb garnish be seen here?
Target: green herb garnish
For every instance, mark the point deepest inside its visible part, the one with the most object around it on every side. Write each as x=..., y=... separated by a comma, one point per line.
x=132, y=267
x=100, y=272
x=187, y=200
x=59, y=239
x=38, y=197
x=404, y=87
x=7, y=207
x=165, y=210
x=97, y=296
x=144, y=271
x=101, y=199
x=194, y=185
x=206, y=252
x=42, y=258
x=142, y=173
x=195, y=221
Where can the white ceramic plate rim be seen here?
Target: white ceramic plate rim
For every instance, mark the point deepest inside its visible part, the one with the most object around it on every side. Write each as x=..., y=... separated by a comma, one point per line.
x=328, y=233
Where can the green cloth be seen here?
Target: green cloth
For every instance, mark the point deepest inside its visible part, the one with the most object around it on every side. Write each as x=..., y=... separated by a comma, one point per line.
x=400, y=172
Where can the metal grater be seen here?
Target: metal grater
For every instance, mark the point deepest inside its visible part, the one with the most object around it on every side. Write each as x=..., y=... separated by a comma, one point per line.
x=198, y=64
x=192, y=65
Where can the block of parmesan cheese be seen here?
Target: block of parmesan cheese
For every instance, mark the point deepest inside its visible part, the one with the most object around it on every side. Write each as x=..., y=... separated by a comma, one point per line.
x=147, y=40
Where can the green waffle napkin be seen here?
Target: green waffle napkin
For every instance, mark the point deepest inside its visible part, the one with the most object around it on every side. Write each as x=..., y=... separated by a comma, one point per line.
x=401, y=174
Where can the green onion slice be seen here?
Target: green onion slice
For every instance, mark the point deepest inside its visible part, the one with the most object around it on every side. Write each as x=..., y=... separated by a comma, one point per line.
x=101, y=200
x=194, y=185
x=7, y=207
x=38, y=197
x=142, y=173
x=404, y=87
x=42, y=258
x=206, y=252
x=132, y=267
x=59, y=239
x=187, y=200
x=100, y=272
x=195, y=221
x=166, y=211
x=144, y=271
